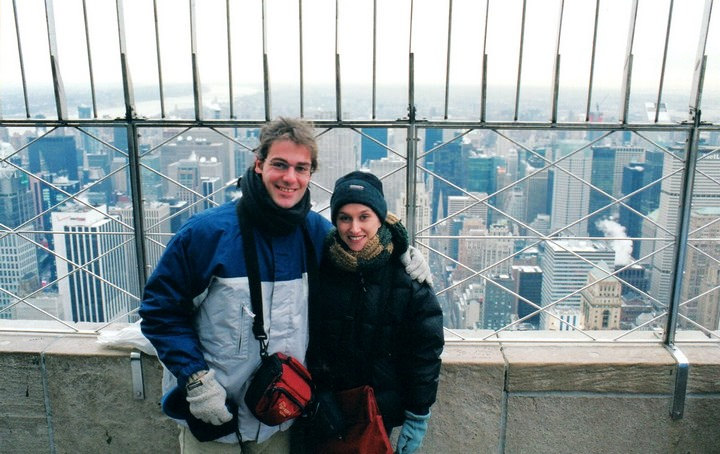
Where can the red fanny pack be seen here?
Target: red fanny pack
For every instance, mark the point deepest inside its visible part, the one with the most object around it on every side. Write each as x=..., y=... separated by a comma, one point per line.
x=280, y=390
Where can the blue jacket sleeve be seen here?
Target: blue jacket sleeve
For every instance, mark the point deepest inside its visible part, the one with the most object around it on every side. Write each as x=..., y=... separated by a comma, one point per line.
x=167, y=310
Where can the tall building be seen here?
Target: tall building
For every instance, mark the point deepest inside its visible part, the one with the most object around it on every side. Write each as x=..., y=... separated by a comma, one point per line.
x=433, y=138
x=19, y=273
x=634, y=177
x=601, y=302
x=339, y=154
x=565, y=265
x=536, y=188
x=448, y=164
x=498, y=309
x=528, y=281
x=570, y=195
x=92, y=266
x=602, y=177
x=56, y=155
x=373, y=149
x=700, y=301
x=705, y=195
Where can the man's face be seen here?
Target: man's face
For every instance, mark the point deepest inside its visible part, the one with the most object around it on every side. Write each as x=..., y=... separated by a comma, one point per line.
x=285, y=172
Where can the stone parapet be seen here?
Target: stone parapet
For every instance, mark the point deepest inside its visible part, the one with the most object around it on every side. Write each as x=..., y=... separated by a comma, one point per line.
x=68, y=393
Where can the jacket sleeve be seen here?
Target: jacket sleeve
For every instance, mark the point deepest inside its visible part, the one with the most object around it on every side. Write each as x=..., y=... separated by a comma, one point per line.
x=423, y=341
x=167, y=309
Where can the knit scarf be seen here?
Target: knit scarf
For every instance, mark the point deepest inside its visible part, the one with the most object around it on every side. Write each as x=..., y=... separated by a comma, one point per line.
x=390, y=237
x=263, y=213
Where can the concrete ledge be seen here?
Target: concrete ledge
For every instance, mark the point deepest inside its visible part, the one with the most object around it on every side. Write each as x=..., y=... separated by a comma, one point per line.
x=67, y=393
x=589, y=367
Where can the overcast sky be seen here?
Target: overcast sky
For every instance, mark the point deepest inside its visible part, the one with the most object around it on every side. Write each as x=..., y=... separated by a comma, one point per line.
x=354, y=41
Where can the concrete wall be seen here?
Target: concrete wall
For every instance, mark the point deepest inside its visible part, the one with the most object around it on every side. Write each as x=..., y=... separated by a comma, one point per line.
x=68, y=394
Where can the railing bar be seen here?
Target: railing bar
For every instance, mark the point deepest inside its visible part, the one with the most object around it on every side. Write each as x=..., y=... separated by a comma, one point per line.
x=399, y=123
x=161, y=86
x=483, y=83
x=228, y=29
x=58, y=87
x=520, y=57
x=699, y=67
x=664, y=61
x=556, y=66
x=89, y=58
x=592, y=61
x=410, y=41
x=301, y=55
x=374, y=60
x=683, y=223
x=197, y=87
x=627, y=70
x=9, y=231
x=21, y=60
x=128, y=90
x=266, y=64
x=338, y=91
x=447, y=63
x=411, y=181
x=137, y=204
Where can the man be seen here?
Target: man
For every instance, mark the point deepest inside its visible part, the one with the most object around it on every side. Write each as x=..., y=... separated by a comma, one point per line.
x=196, y=308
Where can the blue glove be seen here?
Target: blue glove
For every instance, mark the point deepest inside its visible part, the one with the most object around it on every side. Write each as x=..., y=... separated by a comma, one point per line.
x=412, y=433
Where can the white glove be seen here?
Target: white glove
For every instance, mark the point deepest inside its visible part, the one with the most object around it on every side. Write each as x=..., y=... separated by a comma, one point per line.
x=207, y=398
x=416, y=266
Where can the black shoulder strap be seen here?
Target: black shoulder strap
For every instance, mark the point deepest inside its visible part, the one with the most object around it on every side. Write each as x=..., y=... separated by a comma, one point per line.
x=253, y=270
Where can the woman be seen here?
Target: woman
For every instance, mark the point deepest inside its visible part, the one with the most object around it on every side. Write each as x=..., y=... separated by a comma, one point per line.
x=370, y=323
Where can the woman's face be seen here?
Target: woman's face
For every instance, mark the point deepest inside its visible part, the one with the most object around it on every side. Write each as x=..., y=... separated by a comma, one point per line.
x=357, y=223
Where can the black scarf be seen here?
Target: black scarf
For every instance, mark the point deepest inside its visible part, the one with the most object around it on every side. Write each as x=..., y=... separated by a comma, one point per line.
x=263, y=213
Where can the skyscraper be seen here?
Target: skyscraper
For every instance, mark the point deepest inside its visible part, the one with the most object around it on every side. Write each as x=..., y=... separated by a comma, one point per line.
x=565, y=271
x=92, y=266
x=634, y=177
x=498, y=309
x=448, y=164
x=528, y=281
x=18, y=260
x=56, y=155
x=570, y=195
x=705, y=194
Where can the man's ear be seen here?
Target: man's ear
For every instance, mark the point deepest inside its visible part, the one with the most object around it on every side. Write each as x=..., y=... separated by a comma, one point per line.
x=258, y=166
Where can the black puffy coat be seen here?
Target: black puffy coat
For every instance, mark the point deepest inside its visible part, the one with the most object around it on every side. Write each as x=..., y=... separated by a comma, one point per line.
x=379, y=328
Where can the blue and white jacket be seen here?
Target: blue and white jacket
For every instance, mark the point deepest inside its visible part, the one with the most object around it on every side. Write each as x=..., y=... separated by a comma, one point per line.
x=196, y=308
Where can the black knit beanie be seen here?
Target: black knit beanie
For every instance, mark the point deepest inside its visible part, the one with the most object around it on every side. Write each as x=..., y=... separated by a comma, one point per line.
x=358, y=187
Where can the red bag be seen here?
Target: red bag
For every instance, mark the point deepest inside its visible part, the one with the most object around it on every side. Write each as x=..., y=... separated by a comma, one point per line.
x=365, y=432
x=280, y=390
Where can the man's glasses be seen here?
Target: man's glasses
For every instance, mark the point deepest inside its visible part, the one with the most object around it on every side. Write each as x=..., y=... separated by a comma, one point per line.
x=281, y=167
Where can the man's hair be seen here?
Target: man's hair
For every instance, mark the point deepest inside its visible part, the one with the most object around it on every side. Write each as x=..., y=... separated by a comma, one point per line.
x=299, y=131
